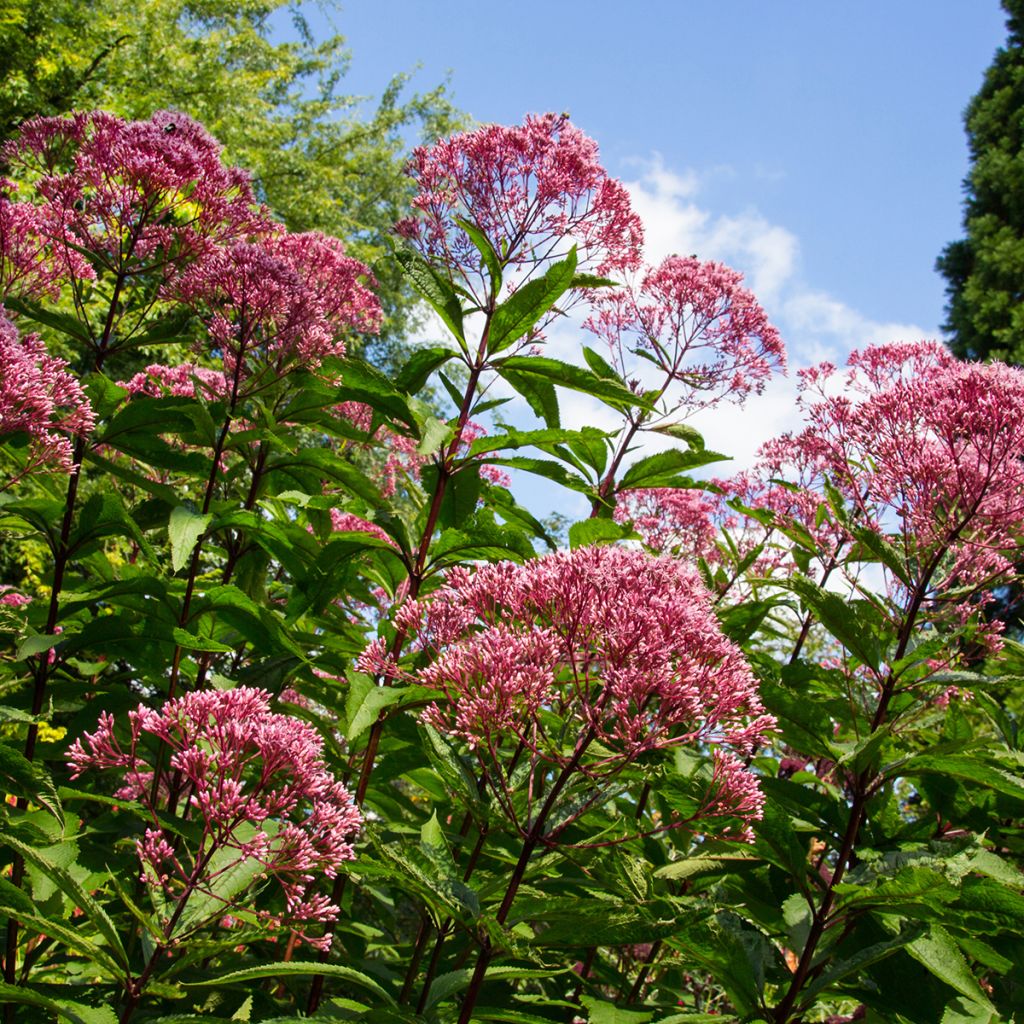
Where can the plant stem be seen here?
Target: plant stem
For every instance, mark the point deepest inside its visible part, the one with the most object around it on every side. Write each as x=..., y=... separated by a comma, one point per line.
x=861, y=791
x=641, y=978
x=533, y=839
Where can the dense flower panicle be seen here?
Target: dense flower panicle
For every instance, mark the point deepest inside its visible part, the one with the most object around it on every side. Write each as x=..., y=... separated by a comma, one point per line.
x=616, y=642
x=11, y=598
x=182, y=381
x=256, y=781
x=278, y=301
x=722, y=527
x=924, y=448
x=132, y=193
x=39, y=397
x=672, y=520
x=705, y=332
x=534, y=190
x=27, y=266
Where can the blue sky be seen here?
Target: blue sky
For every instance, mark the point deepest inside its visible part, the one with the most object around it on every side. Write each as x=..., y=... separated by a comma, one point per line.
x=816, y=146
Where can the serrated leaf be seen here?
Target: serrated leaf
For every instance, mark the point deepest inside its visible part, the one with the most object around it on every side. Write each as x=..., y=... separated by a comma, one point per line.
x=364, y=703
x=73, y=889
x=522, y=310
x=486, y=250
x=184, y=528
x=446, y=985
x=596, y=531
x=76, y=1013
x=575, y=378
x=600, y=365
x=294, y=968
x=419, y=366
x=191, y=642
x=939, y=953
x=663, y=469
x=434, y=288
x=23, y=778
x=601, y=1012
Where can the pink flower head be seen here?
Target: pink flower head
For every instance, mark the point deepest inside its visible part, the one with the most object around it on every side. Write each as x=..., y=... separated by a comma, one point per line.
x=27, y=267
x=621, y=646
x=182, y=381
x=534, y=190
x=676, y=520
x=40, y=398
x=281, y=300
x=926, y=450
x=257, y=784
x=11, y=598
x=132, y=193
x=706, y=334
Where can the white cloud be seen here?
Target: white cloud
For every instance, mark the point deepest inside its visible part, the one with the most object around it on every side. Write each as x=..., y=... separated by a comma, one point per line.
x=814, y=324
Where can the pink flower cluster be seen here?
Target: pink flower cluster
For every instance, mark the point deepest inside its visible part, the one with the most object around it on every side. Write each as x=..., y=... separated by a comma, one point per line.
x=256, y=781
x=737, y=528
x=11, y=598
x=534, y=190
x=706, y=334
x=131, y=194
x=612, y=643
x=278, y=301
x=927, y=450
x=40, y=398
x=181, y=381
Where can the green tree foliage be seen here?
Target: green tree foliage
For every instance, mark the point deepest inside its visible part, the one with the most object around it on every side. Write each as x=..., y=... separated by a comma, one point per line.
x=320, y=159
x=985, y=270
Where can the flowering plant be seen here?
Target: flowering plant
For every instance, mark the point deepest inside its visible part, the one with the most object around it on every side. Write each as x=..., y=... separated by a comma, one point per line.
x=734, y=748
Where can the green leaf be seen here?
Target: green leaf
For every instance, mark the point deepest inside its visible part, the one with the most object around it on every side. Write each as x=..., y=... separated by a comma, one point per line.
x=839, y=970
x=434, y=435
x=853, y=623
x=364, y=703
x=104, y=395
x=600, y=365
x=967, y=1011
x=545, y=439
x=32, y=645
x=184, y=528
x=436, y=289
x=601, y=1012
x=521, y=311
x=17, y=905
x=73, y=889
x=65, y=323
x=597, y=531
x=76, y=1013
x=419, y=366
x=486, y=250
x=24, y=778
x=575, y=378
x=965, y=768
x=593, y=281
x=663, y=468
x=540, y=395
x=191, y=642
x=682, y=432
x=446, y=985
x=293, y=968
x=939, y=953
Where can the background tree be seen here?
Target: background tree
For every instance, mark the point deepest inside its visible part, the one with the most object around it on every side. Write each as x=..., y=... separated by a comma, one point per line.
x=985, y=270
x=320, y=159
